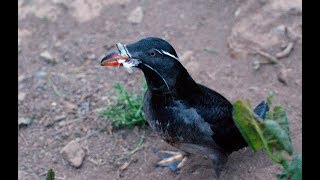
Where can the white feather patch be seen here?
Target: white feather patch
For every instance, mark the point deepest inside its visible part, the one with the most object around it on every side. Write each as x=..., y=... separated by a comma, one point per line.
x=129, y=64
x=168, y=54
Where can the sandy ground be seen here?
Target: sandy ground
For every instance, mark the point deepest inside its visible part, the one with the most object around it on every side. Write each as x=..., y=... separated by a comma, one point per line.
x=62, y=86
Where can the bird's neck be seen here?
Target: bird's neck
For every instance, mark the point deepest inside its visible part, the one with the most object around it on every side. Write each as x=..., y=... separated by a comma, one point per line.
x=178, y=85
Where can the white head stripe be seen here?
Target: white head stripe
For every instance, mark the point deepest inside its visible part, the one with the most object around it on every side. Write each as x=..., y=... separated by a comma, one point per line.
x=158, y=75
x=168, y=54
x=158, y=51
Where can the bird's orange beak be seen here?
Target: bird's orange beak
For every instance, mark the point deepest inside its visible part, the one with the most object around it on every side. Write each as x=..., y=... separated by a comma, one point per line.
x=114, y=59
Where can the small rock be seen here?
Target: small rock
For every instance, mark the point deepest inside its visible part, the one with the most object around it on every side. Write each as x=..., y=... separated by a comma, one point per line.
x=53, y=104
x=66, y=56
x=253, y=88
x=70, y=106
x=21, y=78
x=256, y=64
x=73, y=153
x=24, y=122
x=91, y=56
x=283, y=76
x=48, y=57
x=296, y=11
x=84, y=107
x=237, y=12
x=21, y=96
x=40, y=74
x=136, y=15
x=280, y=30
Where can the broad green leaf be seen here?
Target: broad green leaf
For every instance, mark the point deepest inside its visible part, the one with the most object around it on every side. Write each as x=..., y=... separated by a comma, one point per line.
x=293, y=171
x=276, y=131
x=295, y=168
x=276, y=137
x=279, y=115
x=272, y=134
x=247, y=124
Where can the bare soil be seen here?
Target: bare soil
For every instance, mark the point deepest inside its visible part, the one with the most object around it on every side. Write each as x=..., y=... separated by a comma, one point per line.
x=64, y=94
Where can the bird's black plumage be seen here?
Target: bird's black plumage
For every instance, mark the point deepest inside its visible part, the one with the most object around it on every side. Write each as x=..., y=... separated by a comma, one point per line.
x=187, y=115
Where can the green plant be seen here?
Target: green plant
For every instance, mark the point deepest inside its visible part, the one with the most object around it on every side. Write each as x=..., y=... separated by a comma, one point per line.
x=126, y=110
x=50, y=174
x=271, y=134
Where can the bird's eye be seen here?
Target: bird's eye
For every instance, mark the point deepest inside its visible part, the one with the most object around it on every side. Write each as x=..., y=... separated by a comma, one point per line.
x=152, y=54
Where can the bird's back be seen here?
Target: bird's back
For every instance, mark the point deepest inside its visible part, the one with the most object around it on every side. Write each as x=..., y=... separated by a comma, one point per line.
x=216, y=110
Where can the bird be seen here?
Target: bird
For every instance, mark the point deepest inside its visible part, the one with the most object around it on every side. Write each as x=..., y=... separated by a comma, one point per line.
x=187, y=115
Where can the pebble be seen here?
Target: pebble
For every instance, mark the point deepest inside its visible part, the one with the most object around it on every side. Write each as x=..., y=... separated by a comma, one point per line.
x=21, y=78
x=136, y=15
x=237, y=12
x=91, y=56
x=21, y=96
x=280, y=30
x=255, y=64
x=45, y=55
x=254, y=88
x=283, y=76
x=24, y=121
x=73, y=153
x=40, y=74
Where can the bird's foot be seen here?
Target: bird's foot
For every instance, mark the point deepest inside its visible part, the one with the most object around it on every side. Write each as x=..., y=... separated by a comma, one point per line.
x=172, y=160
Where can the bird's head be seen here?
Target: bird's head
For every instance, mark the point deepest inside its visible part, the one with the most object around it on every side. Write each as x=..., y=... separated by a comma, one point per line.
x=154, y=56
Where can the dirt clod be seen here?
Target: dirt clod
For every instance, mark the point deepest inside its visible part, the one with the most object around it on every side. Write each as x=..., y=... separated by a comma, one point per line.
x=73, y=153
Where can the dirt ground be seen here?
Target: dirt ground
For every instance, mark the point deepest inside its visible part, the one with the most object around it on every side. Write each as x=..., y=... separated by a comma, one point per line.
x=62, y=87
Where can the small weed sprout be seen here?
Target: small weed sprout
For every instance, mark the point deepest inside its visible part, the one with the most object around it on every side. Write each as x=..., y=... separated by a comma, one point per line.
x=126, y=110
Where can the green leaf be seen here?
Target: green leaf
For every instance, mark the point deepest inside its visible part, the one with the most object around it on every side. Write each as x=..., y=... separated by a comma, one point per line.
x=279, y=115
x=276, y=132
x=272, y=134
x=269, y=99
x=247, y=124
x=293, y=171
x=50, y=174
x=126, y=110
x=295, y=168
x=276, y=137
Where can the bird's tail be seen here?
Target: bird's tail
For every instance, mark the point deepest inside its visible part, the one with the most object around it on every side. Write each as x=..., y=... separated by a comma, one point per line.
x=262, y=109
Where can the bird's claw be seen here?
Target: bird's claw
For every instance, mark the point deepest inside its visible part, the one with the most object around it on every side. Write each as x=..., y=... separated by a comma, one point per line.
x=172, y=160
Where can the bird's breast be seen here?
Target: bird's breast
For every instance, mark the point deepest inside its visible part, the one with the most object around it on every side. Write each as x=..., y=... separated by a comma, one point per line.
x=178, y=124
